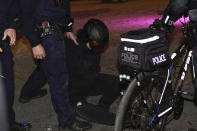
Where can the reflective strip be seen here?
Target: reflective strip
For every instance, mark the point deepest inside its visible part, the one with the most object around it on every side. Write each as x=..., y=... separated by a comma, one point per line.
x=161, y=114
x=141, y=41
x=183, y=76
x=173, y=55
x=70, y=24
x=166, y=20
x=16, y=19
x=194, y=74
x=2, y=76
x=138, y=83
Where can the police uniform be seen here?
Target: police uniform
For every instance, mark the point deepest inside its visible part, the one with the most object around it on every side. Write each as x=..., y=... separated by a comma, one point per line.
x=34, y=12
x=8, y=19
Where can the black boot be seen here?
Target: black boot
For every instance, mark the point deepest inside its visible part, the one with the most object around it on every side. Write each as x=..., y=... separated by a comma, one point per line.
x=77, y=126
x=39, y=93
x=21, y=127
x=192, y=129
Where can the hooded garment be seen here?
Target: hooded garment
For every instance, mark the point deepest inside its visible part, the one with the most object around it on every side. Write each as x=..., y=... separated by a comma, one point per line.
x=83, y=63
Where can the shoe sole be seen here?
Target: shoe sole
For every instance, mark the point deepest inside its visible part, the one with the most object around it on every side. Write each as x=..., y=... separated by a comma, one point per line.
x=68, y=129
x=23, y=101
x=73, y=129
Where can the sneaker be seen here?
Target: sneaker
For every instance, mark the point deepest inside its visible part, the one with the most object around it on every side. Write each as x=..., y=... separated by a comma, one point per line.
x=77, y=126
x=25, y=99
x=79, y=103
x=21, y=127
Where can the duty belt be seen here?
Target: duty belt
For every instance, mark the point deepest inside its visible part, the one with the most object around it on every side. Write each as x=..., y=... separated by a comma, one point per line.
x=46, y=28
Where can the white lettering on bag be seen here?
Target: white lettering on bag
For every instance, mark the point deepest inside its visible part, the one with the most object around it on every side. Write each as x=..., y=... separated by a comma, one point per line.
x=129, y=49
x=159, y=59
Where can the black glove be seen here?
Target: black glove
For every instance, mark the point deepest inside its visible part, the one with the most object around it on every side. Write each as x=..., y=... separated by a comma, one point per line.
x=158, y=25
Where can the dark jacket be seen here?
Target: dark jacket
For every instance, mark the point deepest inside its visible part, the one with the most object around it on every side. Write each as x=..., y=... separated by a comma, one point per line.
x=35, y=11
x=9, y=12
x=83, y=63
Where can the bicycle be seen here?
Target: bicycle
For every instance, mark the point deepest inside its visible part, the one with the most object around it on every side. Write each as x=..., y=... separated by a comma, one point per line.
x=152, y=98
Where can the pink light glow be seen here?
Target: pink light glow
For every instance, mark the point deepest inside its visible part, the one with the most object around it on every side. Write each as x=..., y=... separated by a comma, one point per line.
x=126, y=23
x=136, y=22
x=178, y=23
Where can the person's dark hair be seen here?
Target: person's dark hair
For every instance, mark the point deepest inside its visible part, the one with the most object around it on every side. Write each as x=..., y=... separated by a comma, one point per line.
x=96, y=31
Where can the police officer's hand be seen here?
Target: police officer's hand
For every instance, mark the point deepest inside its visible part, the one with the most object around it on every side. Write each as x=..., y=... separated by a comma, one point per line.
x=72, y=36
x=11, y=33
x=38, y=52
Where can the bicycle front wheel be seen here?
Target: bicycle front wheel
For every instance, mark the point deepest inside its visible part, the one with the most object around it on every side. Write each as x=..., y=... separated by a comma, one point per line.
x=138, y=106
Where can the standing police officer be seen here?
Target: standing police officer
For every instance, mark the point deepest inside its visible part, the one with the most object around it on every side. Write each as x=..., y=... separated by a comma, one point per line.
x=44, y=24
x=8, y=24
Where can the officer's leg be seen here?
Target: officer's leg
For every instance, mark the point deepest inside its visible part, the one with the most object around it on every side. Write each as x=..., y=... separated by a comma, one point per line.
x=54, y=66
x=109, y=87
x=31, y=88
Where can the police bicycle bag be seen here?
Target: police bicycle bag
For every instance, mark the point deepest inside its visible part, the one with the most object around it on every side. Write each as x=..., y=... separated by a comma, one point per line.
x=143, y=50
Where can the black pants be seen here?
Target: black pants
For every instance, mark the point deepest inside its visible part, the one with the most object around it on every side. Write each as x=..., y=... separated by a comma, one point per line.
x=55, y=70
x=106, y=85
x=35, y=81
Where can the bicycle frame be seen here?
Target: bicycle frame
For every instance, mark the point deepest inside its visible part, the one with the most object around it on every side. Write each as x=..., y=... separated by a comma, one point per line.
x=187, y=60
x=155, y=96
